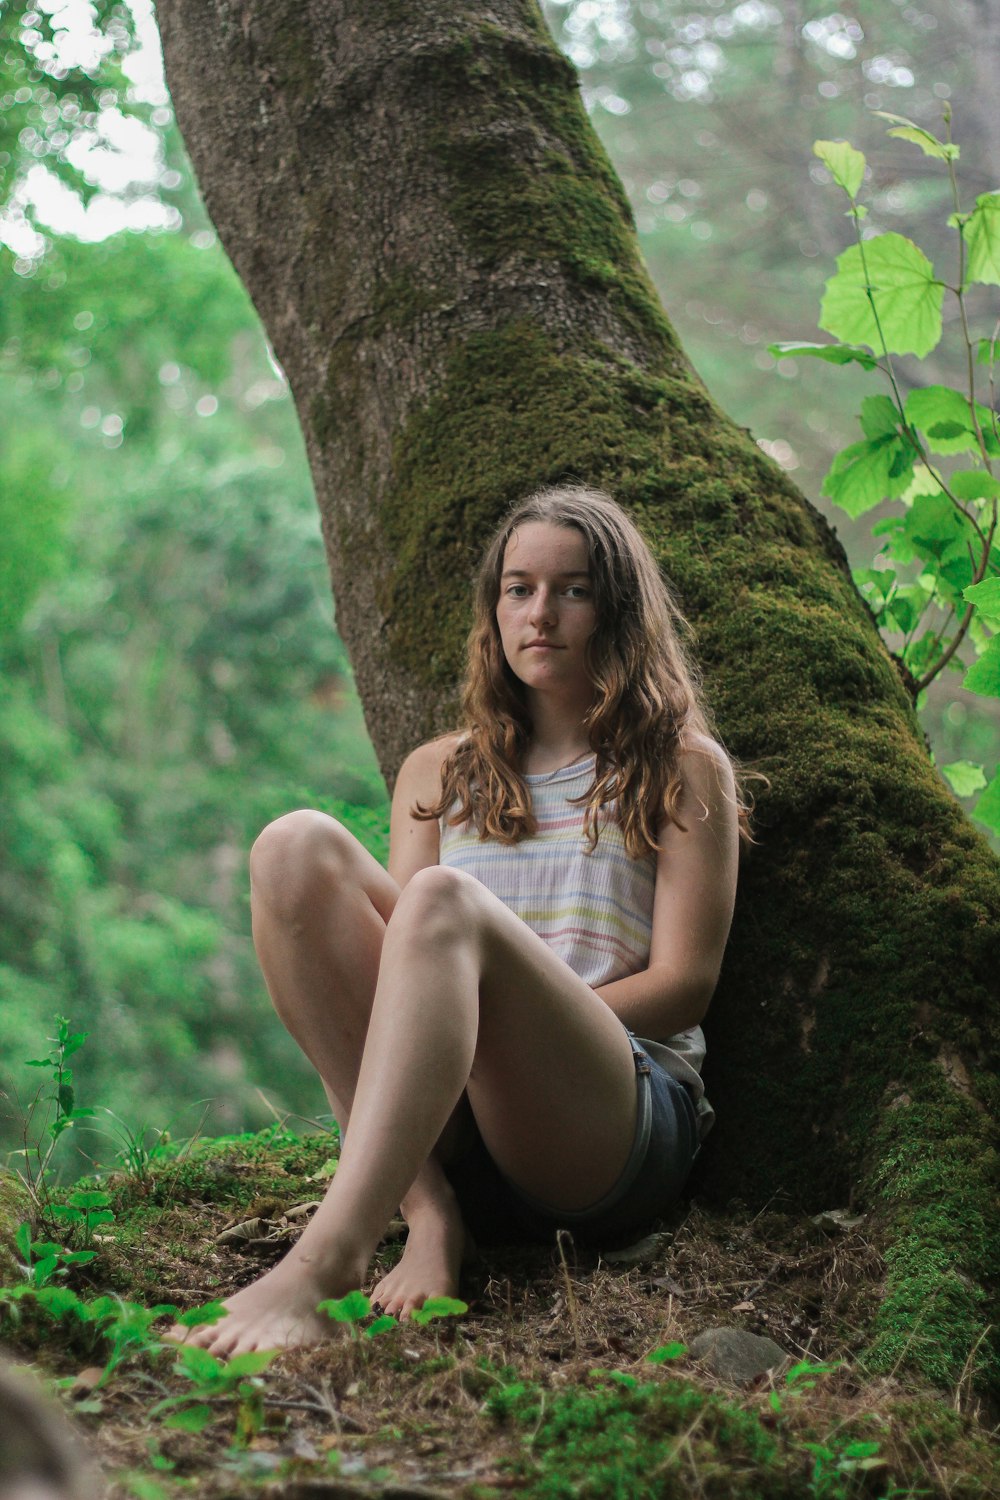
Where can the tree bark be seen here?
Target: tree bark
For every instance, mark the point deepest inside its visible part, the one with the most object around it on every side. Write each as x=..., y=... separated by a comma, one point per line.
x=446, y=265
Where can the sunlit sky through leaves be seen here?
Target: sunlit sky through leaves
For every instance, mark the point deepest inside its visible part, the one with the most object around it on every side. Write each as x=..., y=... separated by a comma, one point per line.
x=123, y=157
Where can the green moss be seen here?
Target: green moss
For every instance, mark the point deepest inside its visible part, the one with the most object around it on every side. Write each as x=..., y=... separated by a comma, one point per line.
x=255, y=1172
x=937, y=1173
x=639, y=1441
x=527, y=177
x=15, y=1207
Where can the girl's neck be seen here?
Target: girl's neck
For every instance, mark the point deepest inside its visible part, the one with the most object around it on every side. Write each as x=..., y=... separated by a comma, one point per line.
x=557, y=740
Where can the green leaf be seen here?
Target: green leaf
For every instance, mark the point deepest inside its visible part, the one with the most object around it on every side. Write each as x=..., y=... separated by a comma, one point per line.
x=965, y=777
x=974, y=484
x=78, y=1257
x=59, y=1301
x=933, y=519
x=835, y=354
x=863, y=474
x=43, y=1268
x=381, y=1325
x=68, y=1212
x=983, y=676
x=845, y=164
x=807, y=1369
x=982, y=238
x=22, y=1241
x=924, y=482
x=904, y=608
x=906, y=130
x=439, y=1307
x=987, y=809
x=987, y=353
x=192, y=1419
x=198, y=1365
x=143, y=1487
x=879, y=417
x=906, y=294
x=71, y=1044
x=251, y=1363
x=666, y=1352
x=89, y=1199
x=985, y=596
x=946, y=417
x=195, y=1317
x=349, y=1309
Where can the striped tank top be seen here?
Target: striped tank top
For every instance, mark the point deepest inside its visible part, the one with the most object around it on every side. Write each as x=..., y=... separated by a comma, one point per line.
x=594, y=910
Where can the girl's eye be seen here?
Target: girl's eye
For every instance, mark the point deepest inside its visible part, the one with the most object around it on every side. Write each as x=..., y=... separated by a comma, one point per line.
x=578, y=591
x=517, y=590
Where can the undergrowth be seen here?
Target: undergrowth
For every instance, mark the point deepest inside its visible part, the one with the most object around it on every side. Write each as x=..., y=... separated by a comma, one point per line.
x=561, y=1375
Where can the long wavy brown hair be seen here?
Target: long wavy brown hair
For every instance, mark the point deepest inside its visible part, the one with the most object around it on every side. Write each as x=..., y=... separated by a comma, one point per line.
x=647, y=701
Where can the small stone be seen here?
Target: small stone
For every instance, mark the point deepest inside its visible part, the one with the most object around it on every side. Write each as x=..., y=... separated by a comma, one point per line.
x=735, y=1355
x=838, y=1220
x=639, y=1254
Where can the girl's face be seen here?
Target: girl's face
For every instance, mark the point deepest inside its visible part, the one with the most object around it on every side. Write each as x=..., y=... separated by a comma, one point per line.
x=545, y=612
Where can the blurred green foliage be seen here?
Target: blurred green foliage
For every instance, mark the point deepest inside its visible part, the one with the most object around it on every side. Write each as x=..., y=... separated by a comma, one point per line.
x=171, y=678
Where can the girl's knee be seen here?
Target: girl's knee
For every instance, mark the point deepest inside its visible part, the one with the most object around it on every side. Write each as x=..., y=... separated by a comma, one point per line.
x=439, y=905
x=296, y=858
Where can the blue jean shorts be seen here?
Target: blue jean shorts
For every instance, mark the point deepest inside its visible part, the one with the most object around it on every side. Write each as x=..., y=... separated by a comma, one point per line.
x=663, y=1151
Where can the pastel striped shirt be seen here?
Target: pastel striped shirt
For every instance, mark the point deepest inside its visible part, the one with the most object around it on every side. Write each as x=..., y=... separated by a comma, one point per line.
x=594, y=909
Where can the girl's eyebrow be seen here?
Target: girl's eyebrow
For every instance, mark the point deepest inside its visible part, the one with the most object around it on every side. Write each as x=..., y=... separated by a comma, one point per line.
x=526, y=573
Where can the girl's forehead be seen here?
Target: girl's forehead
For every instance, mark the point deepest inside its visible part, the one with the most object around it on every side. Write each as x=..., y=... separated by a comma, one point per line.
x=543, y=544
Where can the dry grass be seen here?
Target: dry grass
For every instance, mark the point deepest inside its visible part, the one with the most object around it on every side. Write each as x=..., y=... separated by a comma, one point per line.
x=423, y=1409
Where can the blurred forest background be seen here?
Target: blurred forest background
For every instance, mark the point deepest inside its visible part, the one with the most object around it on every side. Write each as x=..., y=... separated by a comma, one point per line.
x=170, y=674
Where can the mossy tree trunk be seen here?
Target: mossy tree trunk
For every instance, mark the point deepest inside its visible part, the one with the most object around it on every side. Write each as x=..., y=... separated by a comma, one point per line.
x=446, y=265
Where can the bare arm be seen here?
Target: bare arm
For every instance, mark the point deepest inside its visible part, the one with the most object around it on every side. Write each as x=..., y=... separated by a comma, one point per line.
x=692, y=907
x=414, y=843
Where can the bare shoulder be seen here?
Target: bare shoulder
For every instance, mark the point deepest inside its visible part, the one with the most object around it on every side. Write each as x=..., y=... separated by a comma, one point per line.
x=707, y=772
x=419, y=778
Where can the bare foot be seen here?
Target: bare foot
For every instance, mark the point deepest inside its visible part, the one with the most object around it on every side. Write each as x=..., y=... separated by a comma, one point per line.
x=429, y=1266
x=278, y=1311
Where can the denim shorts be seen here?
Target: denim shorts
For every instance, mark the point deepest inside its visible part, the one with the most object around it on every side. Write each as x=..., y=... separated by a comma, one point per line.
x=663, y=1150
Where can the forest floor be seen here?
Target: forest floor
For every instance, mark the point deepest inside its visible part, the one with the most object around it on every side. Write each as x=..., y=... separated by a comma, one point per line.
x=542, y=1388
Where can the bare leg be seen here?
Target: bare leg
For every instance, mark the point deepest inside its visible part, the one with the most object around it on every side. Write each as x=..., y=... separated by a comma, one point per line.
x=320, y=904
x=466, y=995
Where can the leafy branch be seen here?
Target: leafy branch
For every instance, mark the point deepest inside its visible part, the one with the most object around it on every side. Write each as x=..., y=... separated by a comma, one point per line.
x=933, y=450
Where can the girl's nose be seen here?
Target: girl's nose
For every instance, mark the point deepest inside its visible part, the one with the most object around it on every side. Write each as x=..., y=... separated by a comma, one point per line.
x=543, y=607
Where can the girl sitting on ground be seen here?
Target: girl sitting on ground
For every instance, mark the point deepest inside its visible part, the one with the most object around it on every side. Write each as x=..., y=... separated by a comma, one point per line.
x=507, y=1022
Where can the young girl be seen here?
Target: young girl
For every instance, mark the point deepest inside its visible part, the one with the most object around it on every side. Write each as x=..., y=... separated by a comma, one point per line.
x=561, y=882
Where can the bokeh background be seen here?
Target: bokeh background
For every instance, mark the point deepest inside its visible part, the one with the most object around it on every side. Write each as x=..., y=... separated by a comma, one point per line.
x=170, y=673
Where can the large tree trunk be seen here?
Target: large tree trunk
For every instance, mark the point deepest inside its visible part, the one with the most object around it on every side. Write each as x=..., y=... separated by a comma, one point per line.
x=446, y=265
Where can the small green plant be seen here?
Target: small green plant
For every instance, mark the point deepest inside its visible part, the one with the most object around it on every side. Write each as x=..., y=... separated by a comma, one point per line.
x=85, y=1211
x=935, y=449
x=352, y=1310
x=67, y=1113
x=666, y=1352
x=112, y=1326
x=217, y=1382
x=43, y=1260
x=438, y=1307
x=140, y=1147
x=355, y=1307
x=836, y=1464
